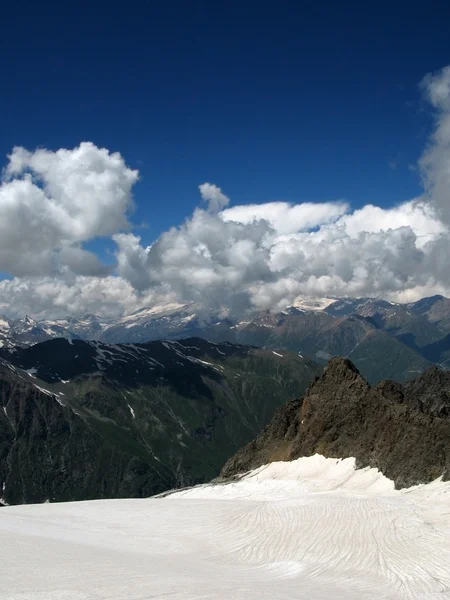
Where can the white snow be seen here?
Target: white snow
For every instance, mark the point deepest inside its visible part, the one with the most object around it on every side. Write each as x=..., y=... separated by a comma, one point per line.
x=52, y=395
x=276, y=353
x=43, y=390
x=312, y=303
x=203, y=362
x=31, y=372
x=131, y=411
x=313, y=529
x=4, y=324
x=2, y=500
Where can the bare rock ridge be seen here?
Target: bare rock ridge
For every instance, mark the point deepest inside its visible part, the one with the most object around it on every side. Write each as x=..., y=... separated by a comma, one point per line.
x=403, y=430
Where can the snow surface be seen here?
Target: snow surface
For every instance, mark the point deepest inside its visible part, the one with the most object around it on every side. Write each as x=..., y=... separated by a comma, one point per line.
x=32, y=372
x=312, y=529
x=305, y=303
x=4, y=324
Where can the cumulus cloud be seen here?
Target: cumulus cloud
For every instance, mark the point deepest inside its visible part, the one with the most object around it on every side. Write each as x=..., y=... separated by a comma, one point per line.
x=45, y=297
x=205, y=260
x=51, y=202
x=83, y=262
x=241, y=258
x=416, y=214
x=256, y=265
x=285, y=217
x=434, y=163
x=213, y=196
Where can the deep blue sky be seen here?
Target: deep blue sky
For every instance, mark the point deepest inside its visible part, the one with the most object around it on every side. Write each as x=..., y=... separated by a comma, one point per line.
x=284, y=100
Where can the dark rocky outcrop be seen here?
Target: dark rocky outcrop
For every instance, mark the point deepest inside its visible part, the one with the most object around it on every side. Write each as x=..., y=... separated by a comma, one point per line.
x=403, y=430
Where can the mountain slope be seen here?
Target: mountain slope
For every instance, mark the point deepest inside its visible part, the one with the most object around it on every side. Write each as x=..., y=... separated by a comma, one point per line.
x=436, y=309
x=438, y=352
x=402, y=430
x=408, y=322
x=377, y=354
x=48, y=452
x=90, y=420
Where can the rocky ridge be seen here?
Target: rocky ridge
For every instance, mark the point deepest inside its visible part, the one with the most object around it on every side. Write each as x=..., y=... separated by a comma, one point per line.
x=403, y=430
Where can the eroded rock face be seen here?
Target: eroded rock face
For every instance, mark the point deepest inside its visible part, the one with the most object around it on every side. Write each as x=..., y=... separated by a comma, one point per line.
x=403, y=430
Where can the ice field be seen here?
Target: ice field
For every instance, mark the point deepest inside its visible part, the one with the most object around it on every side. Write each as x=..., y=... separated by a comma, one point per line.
x=310, y=529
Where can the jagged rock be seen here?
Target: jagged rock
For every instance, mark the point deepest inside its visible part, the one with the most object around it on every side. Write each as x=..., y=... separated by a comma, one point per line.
x=402, y=430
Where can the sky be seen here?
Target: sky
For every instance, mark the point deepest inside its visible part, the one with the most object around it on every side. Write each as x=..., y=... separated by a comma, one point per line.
x=237, y=154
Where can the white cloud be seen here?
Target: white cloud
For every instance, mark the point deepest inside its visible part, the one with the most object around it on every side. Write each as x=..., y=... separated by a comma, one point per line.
x=214, y=197
x=416, y=214
x=285, y=217
x=238, y=265
x=435, y=161
x=229, y=258
x=43, y=297
x=205, y=260
x=52, y=201
x=77, y=260
x=396, y=253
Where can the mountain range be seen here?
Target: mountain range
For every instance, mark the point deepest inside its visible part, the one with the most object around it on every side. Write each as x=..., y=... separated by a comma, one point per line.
x=385, y=340
x=82, y=420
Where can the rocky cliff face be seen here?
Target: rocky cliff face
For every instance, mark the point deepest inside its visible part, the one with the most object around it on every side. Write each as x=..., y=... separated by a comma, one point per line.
x=403, y=430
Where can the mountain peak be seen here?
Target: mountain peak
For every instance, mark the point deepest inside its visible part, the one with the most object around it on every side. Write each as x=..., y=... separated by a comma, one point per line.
x=341, y=368
x=395, y=428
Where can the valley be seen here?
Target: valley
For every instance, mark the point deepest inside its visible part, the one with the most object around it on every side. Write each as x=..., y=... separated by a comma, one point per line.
x=81, y=420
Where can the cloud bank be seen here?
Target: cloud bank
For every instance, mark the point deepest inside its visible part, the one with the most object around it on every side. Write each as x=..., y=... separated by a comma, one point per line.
x=231, y=258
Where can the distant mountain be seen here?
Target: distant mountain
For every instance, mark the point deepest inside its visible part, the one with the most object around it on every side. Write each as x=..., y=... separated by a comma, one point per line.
x=403, y=430
x=26, y=332
x=173, y=321
x=378, y=354
x=88, y=327
x=413, y=327
x=384, y=339
x=436, y=310
x=365, y=307
x=83, y=420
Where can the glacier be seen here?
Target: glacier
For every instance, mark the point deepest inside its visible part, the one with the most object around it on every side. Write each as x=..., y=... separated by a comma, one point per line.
x=310, y=529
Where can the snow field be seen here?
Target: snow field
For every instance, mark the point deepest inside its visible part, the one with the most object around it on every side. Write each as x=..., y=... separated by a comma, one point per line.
x=311, y=529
